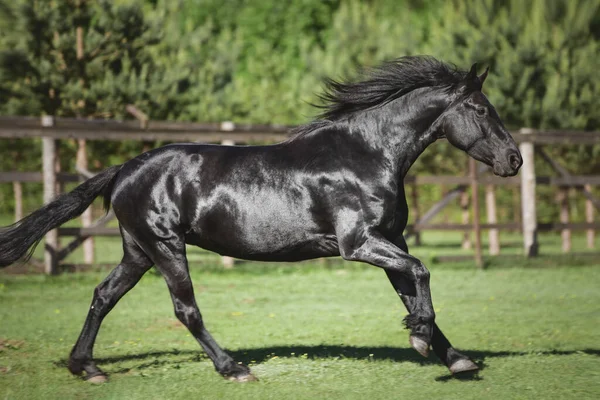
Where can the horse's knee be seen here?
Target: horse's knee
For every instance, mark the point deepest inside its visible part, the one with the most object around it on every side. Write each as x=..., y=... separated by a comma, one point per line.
x=106, y=295
x=109, y=291
x=420, y=272
x=101, y=299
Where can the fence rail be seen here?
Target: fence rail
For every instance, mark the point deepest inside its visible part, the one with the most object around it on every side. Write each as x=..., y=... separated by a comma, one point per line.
x=571, y=181
x=531, y=142
x=542, y=227
x=68, y=128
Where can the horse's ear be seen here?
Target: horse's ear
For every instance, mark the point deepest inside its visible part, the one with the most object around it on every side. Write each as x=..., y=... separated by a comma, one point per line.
x=472, y=73
x=483, y=76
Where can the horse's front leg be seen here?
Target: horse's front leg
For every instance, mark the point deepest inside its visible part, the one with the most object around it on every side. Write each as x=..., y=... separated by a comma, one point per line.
x=371, y=247
x=442, y=348
x=455, y=361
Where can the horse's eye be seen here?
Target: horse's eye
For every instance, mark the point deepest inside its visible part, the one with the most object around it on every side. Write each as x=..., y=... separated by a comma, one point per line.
x=481, y=111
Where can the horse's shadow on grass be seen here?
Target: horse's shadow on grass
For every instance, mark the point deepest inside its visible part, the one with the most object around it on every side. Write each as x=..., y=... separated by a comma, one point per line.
x=253, y=356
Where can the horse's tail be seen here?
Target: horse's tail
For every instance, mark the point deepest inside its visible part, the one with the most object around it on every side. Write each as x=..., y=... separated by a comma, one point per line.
x=17, y=239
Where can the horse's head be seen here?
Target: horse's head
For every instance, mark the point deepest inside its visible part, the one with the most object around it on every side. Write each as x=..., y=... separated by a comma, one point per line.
x=471, y=124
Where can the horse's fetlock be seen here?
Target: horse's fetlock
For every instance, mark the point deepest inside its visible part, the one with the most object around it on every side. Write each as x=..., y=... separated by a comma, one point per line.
x=411, y=321
x=232, y=368
x=76, y=366
x=417, y=323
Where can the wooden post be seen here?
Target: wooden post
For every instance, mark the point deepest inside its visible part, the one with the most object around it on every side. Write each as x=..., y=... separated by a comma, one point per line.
x=563, y=201
x=444, y=191
x=414, y=194
x=528, y=206
x=139, y=115
x=465, y=200
x=466, y=216
x=18, y=190
x=86, y=217
x=517, y=206
x=475, y=204
x=228, y=262
x=82, y=158
x=492, y=218
x=49, y=176
x=60, y=185
x=589, y=217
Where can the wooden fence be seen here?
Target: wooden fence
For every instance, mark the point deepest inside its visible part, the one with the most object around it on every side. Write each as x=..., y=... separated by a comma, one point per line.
x=52, y=130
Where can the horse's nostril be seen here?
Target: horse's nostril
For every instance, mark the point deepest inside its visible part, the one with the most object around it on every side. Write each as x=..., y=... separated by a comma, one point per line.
x=514, y=159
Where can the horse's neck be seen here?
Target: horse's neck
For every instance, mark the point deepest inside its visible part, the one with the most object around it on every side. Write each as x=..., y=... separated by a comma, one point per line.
x=404, y=128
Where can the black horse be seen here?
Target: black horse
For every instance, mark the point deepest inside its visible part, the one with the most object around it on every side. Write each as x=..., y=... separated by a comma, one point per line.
x=334, y=188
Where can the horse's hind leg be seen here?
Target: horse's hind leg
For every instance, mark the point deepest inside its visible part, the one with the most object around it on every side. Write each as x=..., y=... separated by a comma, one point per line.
x=125, y=276
x=454, y=360
x=170, y=259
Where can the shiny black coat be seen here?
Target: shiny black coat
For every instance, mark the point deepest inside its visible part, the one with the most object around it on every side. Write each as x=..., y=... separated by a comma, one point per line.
x=285, y=202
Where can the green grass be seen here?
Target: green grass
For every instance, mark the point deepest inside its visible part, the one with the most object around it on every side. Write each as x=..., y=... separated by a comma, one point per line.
x=310, y=331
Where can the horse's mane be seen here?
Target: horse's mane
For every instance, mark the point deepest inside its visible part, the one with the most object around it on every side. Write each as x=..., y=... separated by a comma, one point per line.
x=385, y=83
x=380, y=85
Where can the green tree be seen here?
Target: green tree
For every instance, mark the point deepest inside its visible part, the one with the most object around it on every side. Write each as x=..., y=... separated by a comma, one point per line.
x=73, y=58
x=542, y=57
x=41, y=70
x=541, y=54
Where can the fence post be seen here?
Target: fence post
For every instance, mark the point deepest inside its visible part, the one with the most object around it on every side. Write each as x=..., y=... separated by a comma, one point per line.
x=49, y=176
x=589, y=217
x=228, y=262
x=465, y=219
x=444, y=192
x=475, y=204
x=563, y=202
x=492, y=218
x=416, y=210
x=528, y=209
x=516, y=200
x=18, y=191
x=86, y=217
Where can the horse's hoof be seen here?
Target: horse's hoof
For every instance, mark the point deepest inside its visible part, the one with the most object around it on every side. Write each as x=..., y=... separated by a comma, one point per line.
x=463, y=365
x=419, y=345
x=97, y=379
x=242, y=378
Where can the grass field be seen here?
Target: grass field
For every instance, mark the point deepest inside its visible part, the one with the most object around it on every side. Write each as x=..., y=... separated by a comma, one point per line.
x=311, y=331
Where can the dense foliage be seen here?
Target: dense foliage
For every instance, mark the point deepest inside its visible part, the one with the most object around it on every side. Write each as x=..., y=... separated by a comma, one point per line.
x=264, y=61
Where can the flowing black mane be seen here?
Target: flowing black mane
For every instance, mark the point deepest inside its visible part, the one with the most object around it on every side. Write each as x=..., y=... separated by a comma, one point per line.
x=385, y=83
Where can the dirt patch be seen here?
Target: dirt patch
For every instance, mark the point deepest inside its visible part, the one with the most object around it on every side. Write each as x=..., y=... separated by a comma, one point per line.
x=32, y=266
x=9, y=344
x=36, y=267
x=165, y=323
